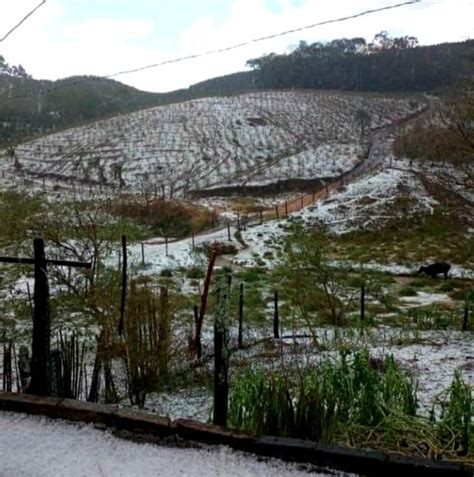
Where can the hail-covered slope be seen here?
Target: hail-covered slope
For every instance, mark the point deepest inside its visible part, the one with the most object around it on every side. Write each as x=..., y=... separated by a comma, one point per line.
x=258, y=138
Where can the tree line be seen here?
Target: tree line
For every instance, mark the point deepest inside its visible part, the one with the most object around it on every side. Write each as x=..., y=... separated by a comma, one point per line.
x=385, y=64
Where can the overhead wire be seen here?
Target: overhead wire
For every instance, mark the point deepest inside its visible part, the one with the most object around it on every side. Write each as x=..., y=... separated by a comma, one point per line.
x=23, y=20
x=264, y=38
x=215, y=51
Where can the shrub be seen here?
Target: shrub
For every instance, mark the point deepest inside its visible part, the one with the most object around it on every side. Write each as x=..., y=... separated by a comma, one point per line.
x=164, y=218
x=251, y=276
x=224, y=248
x=195, y=273
x=408, y=291
x=446, y=287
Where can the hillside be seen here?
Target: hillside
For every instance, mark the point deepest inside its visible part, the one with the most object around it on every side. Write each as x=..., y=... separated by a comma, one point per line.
x=25, y=110
x=29, y=107
x=258, y=140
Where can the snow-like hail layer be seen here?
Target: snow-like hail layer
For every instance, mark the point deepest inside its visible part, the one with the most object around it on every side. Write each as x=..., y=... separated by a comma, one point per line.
x=212, y=142
x=36, y=446
x=370, y=201
x=367, y=202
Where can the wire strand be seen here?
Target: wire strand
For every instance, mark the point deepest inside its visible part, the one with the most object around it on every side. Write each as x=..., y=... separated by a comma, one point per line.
x=23, y=20
x=263, y=38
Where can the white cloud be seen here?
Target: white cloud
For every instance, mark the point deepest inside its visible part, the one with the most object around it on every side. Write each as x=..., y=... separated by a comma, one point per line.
x=51, y=45
x=431, y=22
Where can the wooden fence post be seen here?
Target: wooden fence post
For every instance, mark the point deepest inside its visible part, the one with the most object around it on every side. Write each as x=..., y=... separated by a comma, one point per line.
x=124, y=285
x=276, y=318
x=192, y=239
x=143, y=254
x=229, y=237
x=277, y=213
x=196, y=342
x=241, y=315
x=40, y=362
x=286, y=207
x=166, y=245
x=261, y=216
x=30, y=301
x=40, y=369
x=362, y=303
x=465, y=323
x=221, y=362
x=7, y=368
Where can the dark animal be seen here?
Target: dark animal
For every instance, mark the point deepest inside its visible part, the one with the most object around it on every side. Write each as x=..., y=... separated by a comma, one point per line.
x=436, y=268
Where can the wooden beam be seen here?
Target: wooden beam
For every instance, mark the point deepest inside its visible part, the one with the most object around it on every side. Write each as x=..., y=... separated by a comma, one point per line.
x=60, y=263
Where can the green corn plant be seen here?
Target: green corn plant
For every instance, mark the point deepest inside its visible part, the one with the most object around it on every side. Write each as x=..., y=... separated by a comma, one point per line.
x=456, y=424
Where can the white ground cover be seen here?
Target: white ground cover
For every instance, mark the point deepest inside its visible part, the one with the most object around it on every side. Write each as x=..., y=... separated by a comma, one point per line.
x=423, y=298
x=34, y=446
x=180, y=253
x=254, y=138
x=433, y=357
x=430, y=357
x=370, y=201
x=367, y=202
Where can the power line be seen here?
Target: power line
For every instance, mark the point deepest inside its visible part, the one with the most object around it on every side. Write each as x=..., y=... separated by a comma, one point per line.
x=218, y=50
x=263, y=38
x=23, y=20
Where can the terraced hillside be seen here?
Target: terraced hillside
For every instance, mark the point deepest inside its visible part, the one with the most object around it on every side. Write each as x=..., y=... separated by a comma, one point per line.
x=246, y=140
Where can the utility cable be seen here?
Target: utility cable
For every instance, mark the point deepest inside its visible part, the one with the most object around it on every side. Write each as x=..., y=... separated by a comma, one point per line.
x=23, y=20
x=216, y=51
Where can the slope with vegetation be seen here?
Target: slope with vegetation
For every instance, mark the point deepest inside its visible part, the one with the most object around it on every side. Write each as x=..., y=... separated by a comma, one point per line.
x=256, y=139
x=29, y=107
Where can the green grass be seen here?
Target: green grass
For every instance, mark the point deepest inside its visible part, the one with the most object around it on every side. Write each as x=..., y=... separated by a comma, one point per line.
x=408, y=291
x=434, y=317
x=320, y=400
x=252, y=275
x=456, y=425
x=446, y=287
x=356, y=402
x=411, y=239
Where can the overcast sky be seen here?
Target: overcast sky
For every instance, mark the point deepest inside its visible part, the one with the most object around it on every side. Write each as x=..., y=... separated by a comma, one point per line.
x=100, y=37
